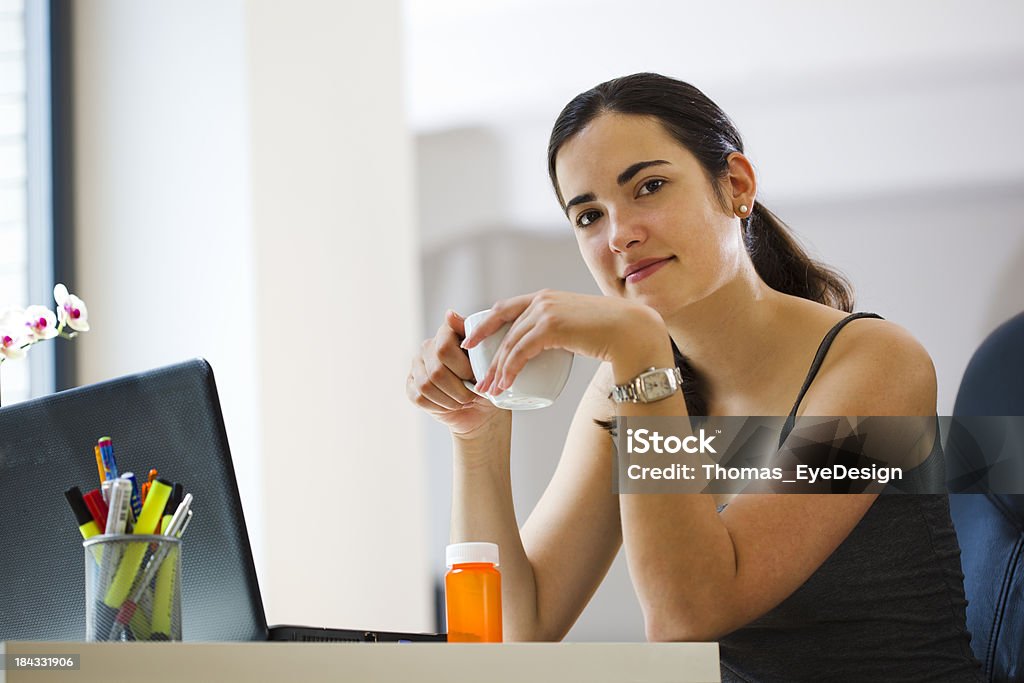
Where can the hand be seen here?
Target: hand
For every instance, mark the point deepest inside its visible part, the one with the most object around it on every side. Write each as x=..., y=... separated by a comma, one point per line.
x=435, y=380
x=607, y=328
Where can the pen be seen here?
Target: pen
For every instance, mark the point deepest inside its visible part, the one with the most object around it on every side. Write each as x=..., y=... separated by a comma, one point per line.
x=178, y=518
x=107, y=454
x=99, y=464
x=136, y=500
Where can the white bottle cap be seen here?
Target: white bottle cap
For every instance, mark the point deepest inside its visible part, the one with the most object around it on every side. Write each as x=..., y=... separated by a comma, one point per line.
x=461, y=553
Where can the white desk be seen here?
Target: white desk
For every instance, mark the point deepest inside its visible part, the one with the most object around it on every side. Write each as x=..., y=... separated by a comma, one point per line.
x=375, y=662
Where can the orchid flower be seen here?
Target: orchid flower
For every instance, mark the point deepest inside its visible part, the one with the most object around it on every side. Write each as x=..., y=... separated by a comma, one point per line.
x=12, y=334
x=41, y=324
x=70, y=310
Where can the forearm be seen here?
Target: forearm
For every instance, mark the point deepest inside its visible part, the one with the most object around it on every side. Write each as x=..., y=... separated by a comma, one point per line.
x=483, y=510
x=682, y=560
x=679, y=552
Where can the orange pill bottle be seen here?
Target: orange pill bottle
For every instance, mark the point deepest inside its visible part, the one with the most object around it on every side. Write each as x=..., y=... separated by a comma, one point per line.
x=472, y=591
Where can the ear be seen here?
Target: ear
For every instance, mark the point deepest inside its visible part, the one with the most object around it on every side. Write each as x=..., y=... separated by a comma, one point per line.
x=742, y=184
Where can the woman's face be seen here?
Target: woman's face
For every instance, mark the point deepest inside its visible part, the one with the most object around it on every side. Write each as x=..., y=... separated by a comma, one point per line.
x=646, y=218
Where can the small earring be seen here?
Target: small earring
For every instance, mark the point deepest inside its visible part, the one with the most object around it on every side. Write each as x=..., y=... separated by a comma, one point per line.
x=743, y=210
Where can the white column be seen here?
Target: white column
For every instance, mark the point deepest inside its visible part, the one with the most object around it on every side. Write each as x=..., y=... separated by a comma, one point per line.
x=336, y=257
x=244, y=193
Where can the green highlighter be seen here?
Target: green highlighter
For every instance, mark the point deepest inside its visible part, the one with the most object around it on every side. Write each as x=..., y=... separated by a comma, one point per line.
x=147, y=523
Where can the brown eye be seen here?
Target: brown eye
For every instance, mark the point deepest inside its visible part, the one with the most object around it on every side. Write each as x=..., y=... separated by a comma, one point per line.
x=586, y=218
x=650, y=187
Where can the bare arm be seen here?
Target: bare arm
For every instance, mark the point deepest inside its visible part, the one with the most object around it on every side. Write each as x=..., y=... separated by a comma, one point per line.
x=700, y=575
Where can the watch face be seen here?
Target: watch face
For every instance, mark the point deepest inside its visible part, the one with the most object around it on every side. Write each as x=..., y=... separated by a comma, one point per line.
x=656, y=386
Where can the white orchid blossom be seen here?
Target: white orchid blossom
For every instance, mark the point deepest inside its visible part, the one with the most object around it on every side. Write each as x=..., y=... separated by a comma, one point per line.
x=40, y=323
x=12, y=334
x=71, y=310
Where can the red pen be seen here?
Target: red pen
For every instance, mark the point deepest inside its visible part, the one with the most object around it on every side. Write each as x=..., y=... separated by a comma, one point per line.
x=98, y=508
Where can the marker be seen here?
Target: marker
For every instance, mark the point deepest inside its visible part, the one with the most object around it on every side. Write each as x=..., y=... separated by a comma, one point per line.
x=86, y=524
x=98, y=507
x=107, y=454
x=146, y=524
x=172, y=505
x=149, y=482
x=118, y=506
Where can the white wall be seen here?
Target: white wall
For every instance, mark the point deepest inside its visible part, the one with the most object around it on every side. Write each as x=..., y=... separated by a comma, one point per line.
x=886, y=134
x=244, y=193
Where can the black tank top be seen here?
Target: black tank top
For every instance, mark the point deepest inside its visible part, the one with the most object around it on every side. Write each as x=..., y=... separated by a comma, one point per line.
x=887, y=605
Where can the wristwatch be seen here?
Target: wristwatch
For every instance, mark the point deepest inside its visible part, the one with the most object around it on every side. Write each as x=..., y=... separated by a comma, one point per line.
x=653, y=384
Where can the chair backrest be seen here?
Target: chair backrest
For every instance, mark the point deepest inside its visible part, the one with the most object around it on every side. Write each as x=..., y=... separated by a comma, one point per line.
x=990, y=527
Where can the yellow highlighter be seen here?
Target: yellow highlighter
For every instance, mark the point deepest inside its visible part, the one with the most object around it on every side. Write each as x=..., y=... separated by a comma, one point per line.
x=86, y=524
x=159, y=492
x=163, y=592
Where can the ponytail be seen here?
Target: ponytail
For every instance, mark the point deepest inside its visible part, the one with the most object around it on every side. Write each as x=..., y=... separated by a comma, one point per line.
x=786, y=267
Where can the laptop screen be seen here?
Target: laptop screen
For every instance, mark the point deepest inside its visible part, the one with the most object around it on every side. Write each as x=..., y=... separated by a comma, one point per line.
x=168, y=419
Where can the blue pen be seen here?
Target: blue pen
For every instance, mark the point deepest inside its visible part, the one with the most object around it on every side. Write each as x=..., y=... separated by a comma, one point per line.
x=107, y=455
x=136, y=499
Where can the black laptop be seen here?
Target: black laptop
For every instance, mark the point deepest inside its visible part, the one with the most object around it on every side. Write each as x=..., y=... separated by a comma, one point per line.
x=170, y=419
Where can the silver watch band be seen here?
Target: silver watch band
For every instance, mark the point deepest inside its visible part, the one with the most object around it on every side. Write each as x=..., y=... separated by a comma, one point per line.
x=634, y=391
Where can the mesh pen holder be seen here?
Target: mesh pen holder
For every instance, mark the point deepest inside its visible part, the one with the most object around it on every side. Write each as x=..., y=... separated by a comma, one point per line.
x=132, y=588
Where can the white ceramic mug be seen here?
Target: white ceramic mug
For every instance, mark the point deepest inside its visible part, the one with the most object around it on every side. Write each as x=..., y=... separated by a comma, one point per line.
x=536, y=386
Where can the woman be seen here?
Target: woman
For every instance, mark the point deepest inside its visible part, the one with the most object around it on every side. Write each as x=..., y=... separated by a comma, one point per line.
x=652, y=177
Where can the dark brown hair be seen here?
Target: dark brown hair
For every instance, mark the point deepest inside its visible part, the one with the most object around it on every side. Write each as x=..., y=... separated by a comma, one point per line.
x=699, y=125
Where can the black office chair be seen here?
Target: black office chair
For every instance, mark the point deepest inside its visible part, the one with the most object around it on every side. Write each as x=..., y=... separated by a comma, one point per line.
x=990, y=526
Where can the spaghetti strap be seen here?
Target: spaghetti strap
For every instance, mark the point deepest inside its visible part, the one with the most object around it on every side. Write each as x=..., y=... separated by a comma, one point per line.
x=819, y=358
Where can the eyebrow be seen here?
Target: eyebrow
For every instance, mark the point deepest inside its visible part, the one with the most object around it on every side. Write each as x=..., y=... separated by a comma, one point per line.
x=623, y=178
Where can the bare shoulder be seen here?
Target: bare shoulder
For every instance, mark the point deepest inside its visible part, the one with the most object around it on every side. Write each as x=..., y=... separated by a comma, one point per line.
x=874, y=367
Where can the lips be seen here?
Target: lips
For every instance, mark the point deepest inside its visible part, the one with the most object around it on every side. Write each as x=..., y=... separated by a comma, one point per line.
x=644, y=268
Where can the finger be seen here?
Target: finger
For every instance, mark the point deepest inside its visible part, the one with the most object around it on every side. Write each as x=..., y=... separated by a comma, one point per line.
x=456, y=322
x=413, y=384
x=429, y=382
x=504, y=311
x=538, y=316
x=447, y=382
x=519, y=327
x=446, y=346
x=530, y=345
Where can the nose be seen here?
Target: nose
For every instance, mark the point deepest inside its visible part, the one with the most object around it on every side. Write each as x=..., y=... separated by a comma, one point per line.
x=627, y=231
